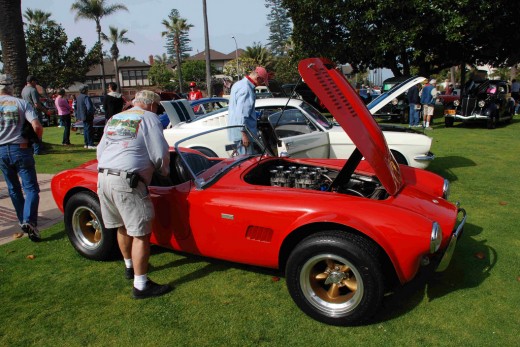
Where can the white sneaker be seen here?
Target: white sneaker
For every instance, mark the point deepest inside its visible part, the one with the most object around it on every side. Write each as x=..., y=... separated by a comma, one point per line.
x=85, y=146
x=91, y=147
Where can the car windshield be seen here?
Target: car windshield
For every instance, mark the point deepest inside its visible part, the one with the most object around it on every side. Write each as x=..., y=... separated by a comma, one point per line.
x=316, y=115
x=205, y=169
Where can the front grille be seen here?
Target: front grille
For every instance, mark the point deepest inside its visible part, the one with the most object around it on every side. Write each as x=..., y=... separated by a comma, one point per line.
x=468, y=105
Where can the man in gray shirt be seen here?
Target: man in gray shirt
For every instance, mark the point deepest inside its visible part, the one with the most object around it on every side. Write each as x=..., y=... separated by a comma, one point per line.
x=131, y=149
x=31, y=95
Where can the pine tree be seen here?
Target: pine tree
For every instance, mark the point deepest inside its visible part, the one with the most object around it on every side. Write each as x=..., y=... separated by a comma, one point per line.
x=280, y=27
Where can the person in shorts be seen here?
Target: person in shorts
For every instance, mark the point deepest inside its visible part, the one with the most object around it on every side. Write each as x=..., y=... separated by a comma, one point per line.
x=131, y=149
x=428, y=96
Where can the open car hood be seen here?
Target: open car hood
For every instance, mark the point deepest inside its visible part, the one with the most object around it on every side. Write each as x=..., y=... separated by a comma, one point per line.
x=385, y=98
x=342, y=101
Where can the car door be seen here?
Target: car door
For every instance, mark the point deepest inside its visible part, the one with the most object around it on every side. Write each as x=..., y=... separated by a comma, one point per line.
x=299, y=136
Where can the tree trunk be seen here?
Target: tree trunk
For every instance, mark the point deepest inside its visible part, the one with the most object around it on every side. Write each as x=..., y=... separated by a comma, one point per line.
x=103, y=86
x=206, y=47
x=12, y=40
x=116, y=69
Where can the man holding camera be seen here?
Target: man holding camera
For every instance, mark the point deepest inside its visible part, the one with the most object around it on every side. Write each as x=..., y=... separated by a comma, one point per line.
x=131, y=149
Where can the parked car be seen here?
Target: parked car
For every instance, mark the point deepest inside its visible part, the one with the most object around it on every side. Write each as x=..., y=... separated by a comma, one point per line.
x=50, y=117
x=200, y=107
x=312, y=219
x=299, y=131
x=263, y=92
x=398, y=109
x=485, y=100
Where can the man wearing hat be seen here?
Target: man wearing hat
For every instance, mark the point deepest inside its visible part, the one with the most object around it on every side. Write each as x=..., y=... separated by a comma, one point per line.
x=16, y=156
x=31, y=95
x=428, y=96
x=131, y=149
x=242, y=108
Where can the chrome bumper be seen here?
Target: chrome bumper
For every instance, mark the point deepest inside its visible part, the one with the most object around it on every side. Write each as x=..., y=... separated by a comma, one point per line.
x=448, y=253
x=425, y=157
x=466, y=118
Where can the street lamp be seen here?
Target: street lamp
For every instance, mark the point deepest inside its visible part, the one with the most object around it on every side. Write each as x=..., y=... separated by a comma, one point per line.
x=236, y=55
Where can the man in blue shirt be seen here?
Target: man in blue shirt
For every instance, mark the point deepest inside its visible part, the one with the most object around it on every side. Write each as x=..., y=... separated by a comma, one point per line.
x=242, y=108
x=85, y=112
x=428, y=96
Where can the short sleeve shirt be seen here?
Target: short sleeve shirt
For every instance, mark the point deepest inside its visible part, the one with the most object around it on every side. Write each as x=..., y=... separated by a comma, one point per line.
x=13, y=113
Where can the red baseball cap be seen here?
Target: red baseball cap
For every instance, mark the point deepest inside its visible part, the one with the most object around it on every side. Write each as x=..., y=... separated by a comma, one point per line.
x=262, y=72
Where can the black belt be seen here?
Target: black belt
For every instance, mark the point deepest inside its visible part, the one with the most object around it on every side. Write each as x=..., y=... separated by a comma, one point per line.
x=113, y=172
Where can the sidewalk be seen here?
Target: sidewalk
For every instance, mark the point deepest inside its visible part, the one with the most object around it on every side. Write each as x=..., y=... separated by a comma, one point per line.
x=48, y=213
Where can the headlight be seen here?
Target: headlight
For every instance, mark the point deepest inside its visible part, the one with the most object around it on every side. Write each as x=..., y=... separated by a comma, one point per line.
x=456, y=103
x=394, y=102
x=446, y=189
x=436, y=237
x=481, y=103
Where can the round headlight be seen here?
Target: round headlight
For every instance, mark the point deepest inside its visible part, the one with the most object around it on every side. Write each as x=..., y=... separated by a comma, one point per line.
x=456, y=103
x=481, y=103
x=446, y=189
x=436, y=237
x=394, y=102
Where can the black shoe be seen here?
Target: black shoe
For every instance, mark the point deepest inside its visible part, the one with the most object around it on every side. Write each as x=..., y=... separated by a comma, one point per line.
x=151, y=289
x=129, y=273
x=32, y=232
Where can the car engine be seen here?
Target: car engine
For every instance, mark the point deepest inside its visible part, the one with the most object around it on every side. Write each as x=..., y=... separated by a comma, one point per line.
x=280, y=173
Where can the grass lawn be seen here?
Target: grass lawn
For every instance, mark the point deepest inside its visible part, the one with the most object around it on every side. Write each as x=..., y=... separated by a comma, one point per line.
x=61, y=299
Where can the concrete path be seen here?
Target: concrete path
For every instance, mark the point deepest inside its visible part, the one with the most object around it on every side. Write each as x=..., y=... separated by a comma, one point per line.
x=48, y=213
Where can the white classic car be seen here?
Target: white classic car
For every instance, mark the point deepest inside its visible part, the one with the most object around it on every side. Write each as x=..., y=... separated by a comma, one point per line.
x=292, y=127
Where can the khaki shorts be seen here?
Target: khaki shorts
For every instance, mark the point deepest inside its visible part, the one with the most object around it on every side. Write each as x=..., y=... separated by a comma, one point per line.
x=125, y=206
x=428, y=110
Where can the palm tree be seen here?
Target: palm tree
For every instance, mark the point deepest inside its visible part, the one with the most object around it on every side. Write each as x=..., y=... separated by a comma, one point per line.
x=162, y=59
x=38, y=18
x=176, y=27
x=260, y=55
x=95, y=10
x=12, y=41
x=116, y=37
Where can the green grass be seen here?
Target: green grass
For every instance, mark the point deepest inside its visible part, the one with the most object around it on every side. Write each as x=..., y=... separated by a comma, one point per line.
x=60, y=157
x=62, y=299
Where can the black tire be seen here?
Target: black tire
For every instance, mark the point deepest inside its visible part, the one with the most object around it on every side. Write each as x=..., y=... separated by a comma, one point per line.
x=399, y=158
x=491, y=123
x=405, y=117
x=86, y=230
x=206, y=151
x=448, y=122
x=336, y=278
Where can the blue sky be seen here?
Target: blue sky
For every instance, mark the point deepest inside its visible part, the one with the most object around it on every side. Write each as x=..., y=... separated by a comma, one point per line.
x=244, y=19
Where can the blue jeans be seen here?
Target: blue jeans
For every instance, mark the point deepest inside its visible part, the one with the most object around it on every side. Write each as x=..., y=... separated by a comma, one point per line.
x=414, y=115
x=88, y=132
x=16, y=161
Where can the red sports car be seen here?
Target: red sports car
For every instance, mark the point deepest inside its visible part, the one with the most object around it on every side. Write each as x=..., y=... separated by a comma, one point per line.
x=343, y=232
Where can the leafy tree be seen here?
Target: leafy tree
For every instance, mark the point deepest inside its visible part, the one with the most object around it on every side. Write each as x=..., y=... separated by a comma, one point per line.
x=245, y=64
x=161, y=75
x=401, y=35
x=195, y=70
x=279, y=25
x=286, y=70
x=116, y=37
x=127, y=58
x=56, y=63
x=95, y=10
x=176, y=33
x=38, y=18
x=12, y=42
x=261, y=55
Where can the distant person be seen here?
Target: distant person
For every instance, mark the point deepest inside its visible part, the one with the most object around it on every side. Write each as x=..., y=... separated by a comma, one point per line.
x=242, y=108
x=415, y=105
x=31, y=95
x=113, y=102
x=127, y=158
x=85, y=112
x=515, y=94
x=64, y=112
x=428, y=96
x=16, y=156
x=194, y=94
